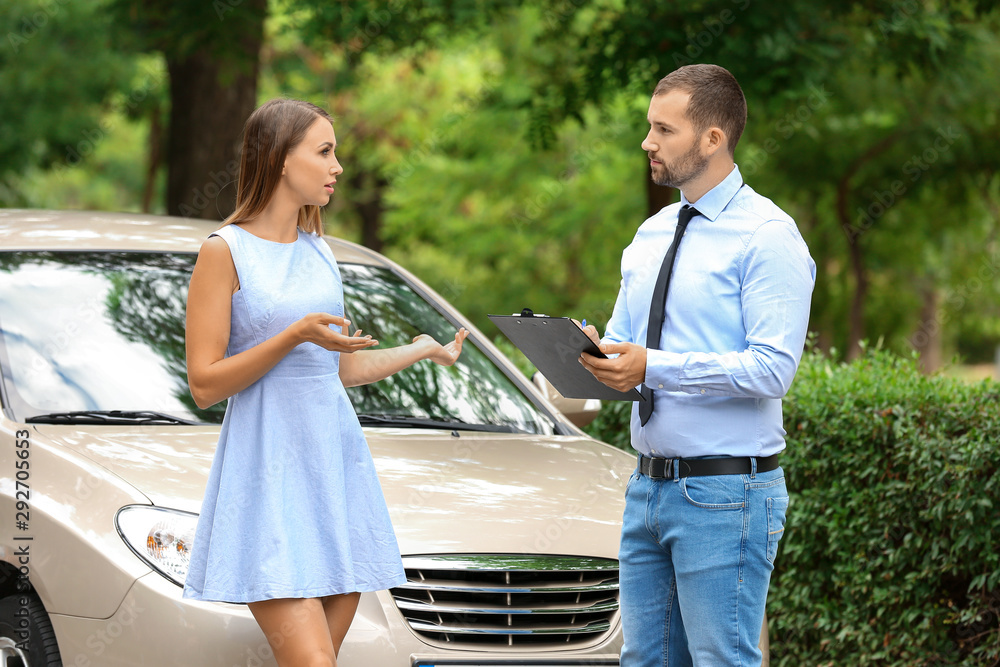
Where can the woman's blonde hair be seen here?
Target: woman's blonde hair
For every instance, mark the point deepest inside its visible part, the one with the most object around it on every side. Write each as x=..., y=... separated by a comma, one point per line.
x=271, y=131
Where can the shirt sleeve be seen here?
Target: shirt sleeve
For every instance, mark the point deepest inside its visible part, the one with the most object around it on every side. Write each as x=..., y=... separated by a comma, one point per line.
x=619, y=329
x=776, y=277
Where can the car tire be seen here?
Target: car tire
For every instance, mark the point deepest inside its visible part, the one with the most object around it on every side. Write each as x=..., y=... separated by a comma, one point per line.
x=25, y=611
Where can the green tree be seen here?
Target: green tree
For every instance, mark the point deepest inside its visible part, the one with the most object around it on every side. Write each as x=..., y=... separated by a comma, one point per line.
x=888, y=167
x=58, y=73
x=494, y=222
x=888, y=80
x=492, y=146
x=212, y=54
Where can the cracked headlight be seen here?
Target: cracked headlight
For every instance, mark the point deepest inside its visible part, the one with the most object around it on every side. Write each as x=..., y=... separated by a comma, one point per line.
x=161, y=537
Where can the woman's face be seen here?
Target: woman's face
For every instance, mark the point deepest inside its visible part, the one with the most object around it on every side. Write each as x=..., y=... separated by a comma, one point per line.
x=311, y=167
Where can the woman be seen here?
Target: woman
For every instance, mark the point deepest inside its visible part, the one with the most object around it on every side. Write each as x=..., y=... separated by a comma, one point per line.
x=293, y=522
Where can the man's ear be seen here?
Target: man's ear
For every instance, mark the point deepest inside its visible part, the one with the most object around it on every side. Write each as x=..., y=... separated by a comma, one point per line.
x=714, y=139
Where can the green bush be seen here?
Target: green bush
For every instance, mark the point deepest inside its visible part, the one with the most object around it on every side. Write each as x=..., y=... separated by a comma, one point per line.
x=891, y=553
x=612, y=425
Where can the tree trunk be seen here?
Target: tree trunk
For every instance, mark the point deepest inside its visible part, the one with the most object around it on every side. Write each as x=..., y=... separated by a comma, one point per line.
x=927, y=338
x=155, y=157
x=658, y=196
x=210, y=99
x=856, y=315
x=856, y=332
x=854, y=234
x=367, y=192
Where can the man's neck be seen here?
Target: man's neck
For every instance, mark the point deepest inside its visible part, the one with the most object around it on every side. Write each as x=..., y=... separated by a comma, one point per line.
x=717, y=172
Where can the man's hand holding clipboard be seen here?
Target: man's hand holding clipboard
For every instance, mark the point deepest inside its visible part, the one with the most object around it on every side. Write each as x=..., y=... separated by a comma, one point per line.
x=565, y=353
x=624, y=372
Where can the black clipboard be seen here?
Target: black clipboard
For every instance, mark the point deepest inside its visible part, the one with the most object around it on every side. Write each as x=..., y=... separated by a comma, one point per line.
x=553, y=345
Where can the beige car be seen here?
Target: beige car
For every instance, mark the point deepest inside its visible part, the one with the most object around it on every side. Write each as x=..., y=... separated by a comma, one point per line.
x=507, y=515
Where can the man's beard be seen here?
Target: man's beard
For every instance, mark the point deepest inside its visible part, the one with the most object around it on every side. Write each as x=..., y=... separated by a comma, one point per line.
x=683, y=170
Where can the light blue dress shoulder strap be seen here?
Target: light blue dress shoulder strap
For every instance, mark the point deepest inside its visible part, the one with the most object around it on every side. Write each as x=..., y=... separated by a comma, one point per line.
x=231, y=236
x=323, y=248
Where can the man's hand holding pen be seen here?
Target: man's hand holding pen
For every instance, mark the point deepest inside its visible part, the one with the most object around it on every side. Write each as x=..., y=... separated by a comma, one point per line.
x=590, y=330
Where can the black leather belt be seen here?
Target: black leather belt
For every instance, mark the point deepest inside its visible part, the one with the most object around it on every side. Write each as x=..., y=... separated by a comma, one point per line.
x=657, y=468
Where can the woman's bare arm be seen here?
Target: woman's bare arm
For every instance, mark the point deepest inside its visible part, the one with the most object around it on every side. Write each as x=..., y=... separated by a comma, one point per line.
x=373, y=365
x=212, y=376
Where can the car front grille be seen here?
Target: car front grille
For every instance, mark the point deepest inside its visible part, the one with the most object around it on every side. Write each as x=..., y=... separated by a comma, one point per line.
x=509, y=600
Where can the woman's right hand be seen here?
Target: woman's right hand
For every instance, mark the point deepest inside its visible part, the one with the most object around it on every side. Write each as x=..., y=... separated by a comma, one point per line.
x=315, y=328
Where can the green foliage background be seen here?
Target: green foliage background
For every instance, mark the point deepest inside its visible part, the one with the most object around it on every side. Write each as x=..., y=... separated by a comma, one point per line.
x=498, y=141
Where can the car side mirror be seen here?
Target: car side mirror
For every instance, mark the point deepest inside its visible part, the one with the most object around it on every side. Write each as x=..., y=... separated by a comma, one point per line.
x=580, y=411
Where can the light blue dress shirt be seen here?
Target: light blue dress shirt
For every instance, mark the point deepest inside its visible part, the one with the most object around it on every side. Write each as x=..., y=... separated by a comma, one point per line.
x=736, y=318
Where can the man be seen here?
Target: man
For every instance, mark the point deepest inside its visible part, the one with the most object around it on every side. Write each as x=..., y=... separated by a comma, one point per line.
x=706, y=507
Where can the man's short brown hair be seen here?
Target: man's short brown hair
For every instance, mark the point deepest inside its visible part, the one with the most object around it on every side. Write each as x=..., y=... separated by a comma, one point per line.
x=716, y=99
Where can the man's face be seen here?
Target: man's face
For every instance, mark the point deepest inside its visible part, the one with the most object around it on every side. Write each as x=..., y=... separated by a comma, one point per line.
x=673, y=145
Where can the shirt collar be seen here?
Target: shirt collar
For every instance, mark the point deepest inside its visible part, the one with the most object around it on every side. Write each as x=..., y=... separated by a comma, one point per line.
x=713, y=202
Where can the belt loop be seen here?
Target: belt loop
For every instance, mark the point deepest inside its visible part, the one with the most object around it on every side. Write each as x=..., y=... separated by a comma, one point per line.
x=753, y=467
x=676, y=465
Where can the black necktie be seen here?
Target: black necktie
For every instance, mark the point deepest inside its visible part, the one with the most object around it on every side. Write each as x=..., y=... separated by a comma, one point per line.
x=658, y=305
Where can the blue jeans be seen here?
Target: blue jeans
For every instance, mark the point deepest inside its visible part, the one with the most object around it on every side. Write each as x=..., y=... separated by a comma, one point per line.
x=696, y=559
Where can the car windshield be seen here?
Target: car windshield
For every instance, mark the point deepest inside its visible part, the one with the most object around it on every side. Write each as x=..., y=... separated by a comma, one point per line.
x=102, y=333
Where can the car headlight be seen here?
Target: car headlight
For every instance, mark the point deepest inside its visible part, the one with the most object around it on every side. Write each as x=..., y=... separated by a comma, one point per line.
x=161, y=537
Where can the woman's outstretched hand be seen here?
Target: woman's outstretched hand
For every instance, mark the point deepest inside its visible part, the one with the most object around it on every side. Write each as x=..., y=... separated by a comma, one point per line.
x=315, y=328
x=445, y=355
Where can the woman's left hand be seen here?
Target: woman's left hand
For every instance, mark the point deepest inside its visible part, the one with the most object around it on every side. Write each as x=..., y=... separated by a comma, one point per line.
x=445, y=355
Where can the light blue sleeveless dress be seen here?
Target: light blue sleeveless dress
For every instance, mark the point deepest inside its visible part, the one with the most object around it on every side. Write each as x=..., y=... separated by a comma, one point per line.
x=293, y=507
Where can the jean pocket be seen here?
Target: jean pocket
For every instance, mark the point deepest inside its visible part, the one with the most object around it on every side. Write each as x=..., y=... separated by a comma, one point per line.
x=632, y=478
x=777, y=508
x=715, y=492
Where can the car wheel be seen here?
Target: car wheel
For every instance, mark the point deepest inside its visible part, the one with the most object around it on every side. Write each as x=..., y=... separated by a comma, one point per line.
x=23, y=613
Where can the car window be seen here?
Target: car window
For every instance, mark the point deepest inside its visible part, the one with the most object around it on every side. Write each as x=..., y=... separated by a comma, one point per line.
x=474, y=390
x=102, y=331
